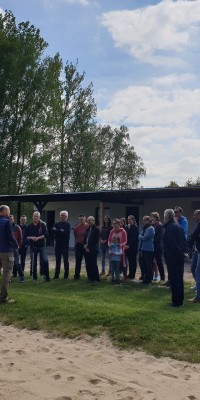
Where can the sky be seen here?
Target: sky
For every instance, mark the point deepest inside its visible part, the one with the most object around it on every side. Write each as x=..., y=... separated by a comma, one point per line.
x=143, y=58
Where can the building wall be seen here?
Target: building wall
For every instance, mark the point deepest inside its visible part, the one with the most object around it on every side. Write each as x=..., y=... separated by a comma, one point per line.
x=115, y=210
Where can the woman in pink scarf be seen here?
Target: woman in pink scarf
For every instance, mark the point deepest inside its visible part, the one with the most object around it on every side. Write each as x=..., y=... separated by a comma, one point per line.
x=121, y=235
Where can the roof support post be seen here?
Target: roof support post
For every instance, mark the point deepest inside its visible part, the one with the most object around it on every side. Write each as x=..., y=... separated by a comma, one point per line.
x=101, y=213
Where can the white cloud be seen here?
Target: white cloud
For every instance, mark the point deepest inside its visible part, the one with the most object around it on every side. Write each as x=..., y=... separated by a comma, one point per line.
x=148, y=105
x=158, y=34
x=2, y=11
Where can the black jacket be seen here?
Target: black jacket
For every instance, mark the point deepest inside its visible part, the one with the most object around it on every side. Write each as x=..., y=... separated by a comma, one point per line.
x=132, y=237
x=174, y=240
x=92, y=237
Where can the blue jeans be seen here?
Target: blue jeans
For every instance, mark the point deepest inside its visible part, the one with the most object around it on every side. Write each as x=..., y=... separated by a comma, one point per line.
x=44, y=263
x=115, y=270
x=197, y=275
x=194, y=263
x=104, y=252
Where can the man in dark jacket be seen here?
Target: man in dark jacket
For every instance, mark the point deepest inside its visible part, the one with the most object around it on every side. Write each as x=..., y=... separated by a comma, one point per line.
x=35, y=234
x=131, y=247
x=174, y=243
x=7, y=244
x=91, y=246
x=61, y=232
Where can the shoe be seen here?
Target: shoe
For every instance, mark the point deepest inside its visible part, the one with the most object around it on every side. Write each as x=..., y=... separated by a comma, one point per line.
x=76, y=278
x=174, y=305
x=22, y=279
x=156, y=278
x=102, y=273
x=162, y=281
x=195, y=300
x=7, y=301
x=47, y=279
x=108, y=274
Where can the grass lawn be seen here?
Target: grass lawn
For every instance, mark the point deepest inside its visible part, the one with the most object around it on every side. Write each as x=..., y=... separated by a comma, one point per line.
x=133, y=316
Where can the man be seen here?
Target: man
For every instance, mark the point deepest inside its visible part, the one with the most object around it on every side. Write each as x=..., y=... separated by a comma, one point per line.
x=79, y=234
x=174, y=243
x=61, y=231
x=7, y=244
x=183, y=222
x=195, y=239
x=24, y=246
x=91, y=246
x=35, y=234
x=17, y=233
x=131, y=247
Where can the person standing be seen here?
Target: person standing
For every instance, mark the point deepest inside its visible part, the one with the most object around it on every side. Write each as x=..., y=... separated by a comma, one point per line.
x=17, y=233
x=146, y=246
x=195, y=239
x=79, y=235
x=183, y=222
x=7, y=244
x=61, y=231
x=131, y=247
x=91, y=247
x=104, y=235
x=24, y=246
x=174, y=243
x=120, y=233
x=115, y=253
x=35, y=234
x=158, y=244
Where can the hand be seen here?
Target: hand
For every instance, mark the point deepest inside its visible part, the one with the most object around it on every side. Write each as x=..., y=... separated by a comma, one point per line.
x=62, y=230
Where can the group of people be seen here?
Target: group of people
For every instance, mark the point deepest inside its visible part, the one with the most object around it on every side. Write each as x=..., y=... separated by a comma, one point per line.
x=119, y=240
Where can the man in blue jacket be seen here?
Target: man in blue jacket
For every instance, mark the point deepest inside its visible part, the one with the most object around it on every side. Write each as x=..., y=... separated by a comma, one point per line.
x=7, y=245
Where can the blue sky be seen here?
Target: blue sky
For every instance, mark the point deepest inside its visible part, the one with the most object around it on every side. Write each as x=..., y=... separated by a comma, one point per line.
x=143, y=58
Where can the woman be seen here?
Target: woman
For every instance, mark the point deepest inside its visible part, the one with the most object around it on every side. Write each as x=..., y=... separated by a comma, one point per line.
x=158, y=244
x=131, y=247
x=120, y=233
x=146, y=246
x=104, y=235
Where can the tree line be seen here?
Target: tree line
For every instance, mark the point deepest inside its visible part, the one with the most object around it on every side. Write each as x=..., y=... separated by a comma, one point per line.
x=49, y=138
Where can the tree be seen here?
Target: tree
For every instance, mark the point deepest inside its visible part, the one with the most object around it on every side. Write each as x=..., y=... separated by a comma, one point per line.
x=190, y=182
x=26, y=85
x=172, y=184
x=75, y=111
x=121, y=165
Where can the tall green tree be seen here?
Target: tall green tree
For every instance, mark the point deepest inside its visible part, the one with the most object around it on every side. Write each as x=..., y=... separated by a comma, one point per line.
x=75, y=112
x=26, y=85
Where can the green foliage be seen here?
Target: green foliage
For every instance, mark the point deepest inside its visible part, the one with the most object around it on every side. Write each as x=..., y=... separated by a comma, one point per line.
x=133, y=317
x=172, y=184
x=190, y=182
x=49, y=140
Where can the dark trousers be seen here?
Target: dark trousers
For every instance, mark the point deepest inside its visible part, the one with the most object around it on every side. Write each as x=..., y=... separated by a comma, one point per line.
x=147, y=257
x=62, y=250
x=91, y=266
x=22, y=253
x=17, y=266
x=44, y=263
x=132, y=262
x=175, y=268
x=158, y=258
x=79, y=254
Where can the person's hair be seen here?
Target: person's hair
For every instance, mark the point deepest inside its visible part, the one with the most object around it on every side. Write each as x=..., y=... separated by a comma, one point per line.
x=116, y=220
x=156, y=215
x=3, y=208
x=36, y=212
x=196, y=212
x=11, y=216
x=91, y=217
x=109, y=220
x=133, y=219
x=178, y=209
x=81, y=215
x=122, y=219
x=23, y=216
x=64, y=212
x=169, y=213
x=147, y=218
